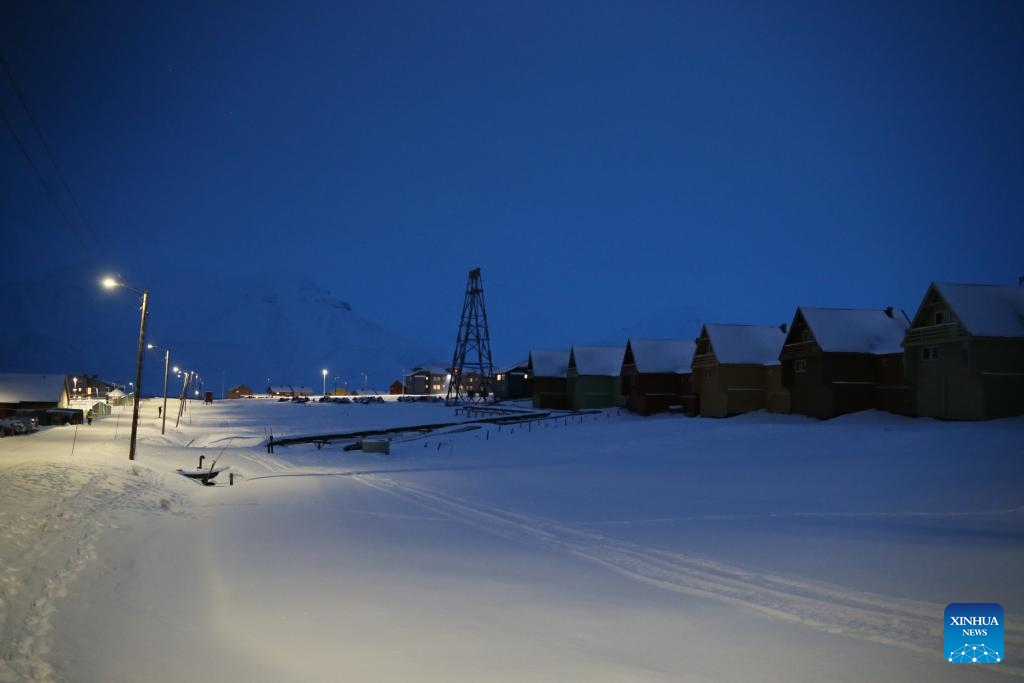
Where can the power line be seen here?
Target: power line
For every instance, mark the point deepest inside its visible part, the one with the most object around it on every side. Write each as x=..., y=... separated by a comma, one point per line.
x=42, y=138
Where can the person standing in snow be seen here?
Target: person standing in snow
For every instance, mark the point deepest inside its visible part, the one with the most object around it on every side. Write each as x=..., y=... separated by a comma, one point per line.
x=88, y=416
x=159, y=409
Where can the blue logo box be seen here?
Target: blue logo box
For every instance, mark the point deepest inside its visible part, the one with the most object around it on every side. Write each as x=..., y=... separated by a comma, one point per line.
x=974, y=633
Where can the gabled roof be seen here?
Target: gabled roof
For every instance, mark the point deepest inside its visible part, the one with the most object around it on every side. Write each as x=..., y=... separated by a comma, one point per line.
x=602, y=361
x=19, y=387
x=521, y=366
x=549, y=363
x=986, y=310
x=745, y=344
x=432, y=369
x=662, y=355
x=855, y=330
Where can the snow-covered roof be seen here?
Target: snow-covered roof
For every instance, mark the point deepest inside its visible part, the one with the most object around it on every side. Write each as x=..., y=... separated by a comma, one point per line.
x=603, y=361
x=520, y=366
x=19, y=387
x=115, y=393
x=986, y=310
x=746, y=344
x=432, y=369
x=856, y=330
x=662, y=355
x=549, y=363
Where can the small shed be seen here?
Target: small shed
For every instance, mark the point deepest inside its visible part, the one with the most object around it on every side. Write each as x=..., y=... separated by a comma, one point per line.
x=731, y=368
x=241, y=391
x=593, y=378
x=964, y=351
x=656, y=375
x=841, y=360
x=547, y=371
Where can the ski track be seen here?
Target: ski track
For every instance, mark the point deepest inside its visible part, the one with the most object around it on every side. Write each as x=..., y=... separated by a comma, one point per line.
x=908, y=624
x=51, y=541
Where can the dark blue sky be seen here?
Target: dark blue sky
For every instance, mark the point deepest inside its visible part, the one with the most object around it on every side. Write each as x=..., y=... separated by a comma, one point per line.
x=602, y=162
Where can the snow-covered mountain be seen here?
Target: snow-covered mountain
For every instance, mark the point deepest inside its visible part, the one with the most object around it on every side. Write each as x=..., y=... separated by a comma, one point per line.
x=276, y=327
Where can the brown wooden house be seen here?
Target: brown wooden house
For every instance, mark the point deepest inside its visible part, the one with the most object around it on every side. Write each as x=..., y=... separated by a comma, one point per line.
x=241, y=391
x=656, y=375
x=964, y=352
x=547, y=371
x=731, y=369
x=396, y=388
x=839, y=360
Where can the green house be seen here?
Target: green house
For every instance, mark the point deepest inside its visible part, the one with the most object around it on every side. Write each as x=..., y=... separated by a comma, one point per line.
x=593, y=377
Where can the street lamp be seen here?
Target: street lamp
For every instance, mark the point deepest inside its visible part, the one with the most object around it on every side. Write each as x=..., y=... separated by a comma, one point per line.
x=167, y=361
x=324, y=371
x=110, y=283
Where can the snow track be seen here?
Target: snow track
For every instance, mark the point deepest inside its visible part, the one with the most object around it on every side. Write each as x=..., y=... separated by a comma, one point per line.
x=907, y=624
x=63, y=509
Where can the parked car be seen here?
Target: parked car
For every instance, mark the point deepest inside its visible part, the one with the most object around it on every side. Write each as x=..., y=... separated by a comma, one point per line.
x=10, y=426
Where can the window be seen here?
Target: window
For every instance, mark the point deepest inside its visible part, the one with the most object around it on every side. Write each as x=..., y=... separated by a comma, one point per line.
x=931, y=353
x=707, y=373
x=941, y=317
x=800, y=365
x=805, y=335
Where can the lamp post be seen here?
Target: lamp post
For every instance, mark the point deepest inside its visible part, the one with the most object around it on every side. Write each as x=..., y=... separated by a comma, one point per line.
x=324, y=371
x=167, y=362
x=110, y=283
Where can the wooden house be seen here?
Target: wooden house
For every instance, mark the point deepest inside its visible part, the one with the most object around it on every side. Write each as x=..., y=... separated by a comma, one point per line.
x=593, y=377
x=241, y=391
x=396, y=388
x=731, y=369
x=839, y=360
x=964, y=352
x=287, y=390
x=513, y=381
x=656, y=375
x=547, y=371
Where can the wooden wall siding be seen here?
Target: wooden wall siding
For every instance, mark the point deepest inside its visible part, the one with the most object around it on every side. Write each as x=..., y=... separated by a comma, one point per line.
x=593, y=391
x=652, y=393
x=726, y=390
x=550, y=393
x=973, y=379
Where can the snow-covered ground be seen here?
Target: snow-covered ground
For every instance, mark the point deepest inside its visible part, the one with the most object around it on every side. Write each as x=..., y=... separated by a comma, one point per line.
x=598, y=548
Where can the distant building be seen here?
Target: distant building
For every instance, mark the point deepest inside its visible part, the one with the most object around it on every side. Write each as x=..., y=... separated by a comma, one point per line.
x=964, y=352
x=656, y=375
x=736, y=369
x=23, y=391
x=513, y=381
x=428, y=379
x=288, y=390
x=838, y=360
x=241, y=391
x=547, y=370
x=397, y=388
x=593, y=378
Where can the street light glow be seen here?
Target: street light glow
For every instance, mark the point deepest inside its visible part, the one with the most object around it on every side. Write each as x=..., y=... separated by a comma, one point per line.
x=109, y=282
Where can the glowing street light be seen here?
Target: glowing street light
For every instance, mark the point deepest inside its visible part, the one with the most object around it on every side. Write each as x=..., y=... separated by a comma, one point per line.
x=110, y=283
x=324, y=371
